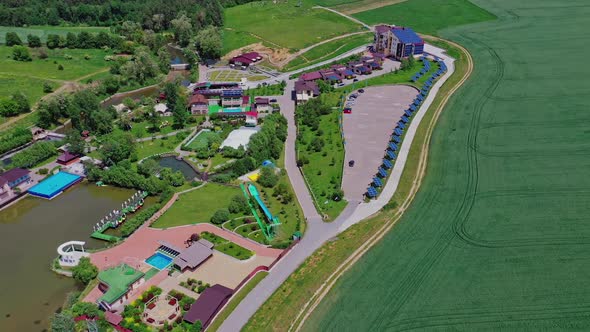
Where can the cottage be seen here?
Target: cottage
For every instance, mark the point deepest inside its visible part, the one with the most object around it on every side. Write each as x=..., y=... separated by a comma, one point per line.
x=262, y=105
x=245, y=60
x=359, y=68
x=397, y=42
x=371, y=62
x=304, y=91
x=331, y=76
x=67, y=158
x=311, y=77
x=198, y=104
x=231, y=98
x=207, y=305
x=251, y=119
x=344, y=71
x=15, y=176
x=193, y=256
x=162, y=109
x=116, y=283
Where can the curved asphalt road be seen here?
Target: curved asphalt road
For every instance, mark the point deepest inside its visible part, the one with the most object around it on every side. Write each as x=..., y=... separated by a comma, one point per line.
x=317, y=231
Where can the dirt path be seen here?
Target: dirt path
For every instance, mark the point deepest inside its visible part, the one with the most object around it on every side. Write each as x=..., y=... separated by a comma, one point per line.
x=364, y=5
x=319, y=294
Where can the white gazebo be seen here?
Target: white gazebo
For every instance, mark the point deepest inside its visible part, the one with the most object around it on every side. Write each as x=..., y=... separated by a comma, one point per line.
x=71, y=252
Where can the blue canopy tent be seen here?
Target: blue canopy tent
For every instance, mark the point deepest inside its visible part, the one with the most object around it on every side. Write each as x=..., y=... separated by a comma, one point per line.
x=381, y=172
x=377, y=182
x=413, y=108
x=372, y=192
x=387, y=164
x=397, y=139
x=391, y=154
x=416, y=102
x=405, y=119
x=393, y=146
x=420, y=97
x=398, y=131
x=401, y=125
x=408, y=112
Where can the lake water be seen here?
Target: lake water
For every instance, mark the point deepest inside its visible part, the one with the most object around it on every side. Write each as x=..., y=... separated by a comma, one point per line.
x=179, y=165
x=30, y=232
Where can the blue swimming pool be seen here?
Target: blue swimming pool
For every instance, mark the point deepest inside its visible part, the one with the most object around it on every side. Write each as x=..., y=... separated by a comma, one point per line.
x=54, y=185
x=159, y=261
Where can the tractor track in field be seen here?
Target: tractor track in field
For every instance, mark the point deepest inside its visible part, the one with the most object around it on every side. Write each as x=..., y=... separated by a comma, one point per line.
x=320, y=293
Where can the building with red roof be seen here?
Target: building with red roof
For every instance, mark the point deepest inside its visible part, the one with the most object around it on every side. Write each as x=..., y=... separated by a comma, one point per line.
x=207, y=305
x=245, y=59
x=67, y=158
x=15, y=176
x=310, y=77
x=305, y=90
x=198, y=104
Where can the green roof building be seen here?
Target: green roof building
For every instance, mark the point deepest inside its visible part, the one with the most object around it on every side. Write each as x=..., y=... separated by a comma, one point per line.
x=116, y=282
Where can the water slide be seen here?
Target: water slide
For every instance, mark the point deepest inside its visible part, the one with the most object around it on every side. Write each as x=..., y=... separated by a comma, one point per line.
x=254, y=193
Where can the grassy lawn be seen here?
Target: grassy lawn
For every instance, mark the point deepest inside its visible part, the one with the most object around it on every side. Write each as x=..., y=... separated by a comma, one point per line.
x=227, y=247
x=31, y=87
x=202, y=140
x=233, y=40
x=316, y=269
x=427, y=16
x=157, y=146
x=266, y=90
x=285, y=24
x=43, y=30
x=324, y=171
x=235, y=301
x=328, y=50
x=197, y=206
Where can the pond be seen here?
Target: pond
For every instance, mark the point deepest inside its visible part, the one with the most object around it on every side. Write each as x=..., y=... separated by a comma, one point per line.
x=179, y=165
x=30, y=232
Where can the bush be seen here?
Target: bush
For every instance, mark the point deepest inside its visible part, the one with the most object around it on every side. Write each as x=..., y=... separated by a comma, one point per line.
x=238, y=204
x=21, y=53
x=47, y=88
x=220, y=216
x=30, y=157
x=268, y=178
x=134, y=223
x=43, y=171
x=85, y=271
x=14, y=138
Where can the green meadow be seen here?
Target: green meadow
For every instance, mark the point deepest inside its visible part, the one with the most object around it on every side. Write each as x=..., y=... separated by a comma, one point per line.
x=498, y=233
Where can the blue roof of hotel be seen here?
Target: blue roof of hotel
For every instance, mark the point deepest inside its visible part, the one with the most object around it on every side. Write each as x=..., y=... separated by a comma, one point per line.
x=407, y=36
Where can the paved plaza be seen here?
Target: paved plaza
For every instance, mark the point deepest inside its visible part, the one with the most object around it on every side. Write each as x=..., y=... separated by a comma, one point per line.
x=367, y=131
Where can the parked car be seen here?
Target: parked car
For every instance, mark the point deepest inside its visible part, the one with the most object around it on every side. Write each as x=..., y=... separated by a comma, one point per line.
x=347, y=110
x=355, y=80
x=273, y=100
x=351, y=163
x=341, y=84
x=361, y=90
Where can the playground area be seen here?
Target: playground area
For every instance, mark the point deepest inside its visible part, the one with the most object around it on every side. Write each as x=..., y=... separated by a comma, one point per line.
x=376, y=110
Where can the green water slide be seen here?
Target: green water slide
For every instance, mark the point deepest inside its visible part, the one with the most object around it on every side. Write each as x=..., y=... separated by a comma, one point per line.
x=267, y=229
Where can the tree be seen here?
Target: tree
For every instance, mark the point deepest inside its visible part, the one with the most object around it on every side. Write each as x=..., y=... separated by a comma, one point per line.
x=182, y=28
x=111, y=84
x=102, y=39
x=180, y=116
x=220, y=216
x=86, y=40
x=76, y=144
x=117, y=147
x=141, y=68
x=209, y=42
x=47, y=88
x=71, y=40
x=8, y=107
x=33, y=41
x=164, y=59
x=91, y=310
x=22, y=101
x=12, y=39
x=171, y=93
x=268, y=178
x=53, y=41
x=85, y=271
x=62, y=322
x=175, y=179
x=148, y=167
x=21, y=53
x=238, y=204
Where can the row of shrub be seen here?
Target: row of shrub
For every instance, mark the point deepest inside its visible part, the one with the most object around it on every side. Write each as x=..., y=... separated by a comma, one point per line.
x=35, y=154
x=139, y=219
x=15, y=138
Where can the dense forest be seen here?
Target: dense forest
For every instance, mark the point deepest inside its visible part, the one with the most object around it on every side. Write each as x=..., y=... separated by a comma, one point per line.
x=155, y=15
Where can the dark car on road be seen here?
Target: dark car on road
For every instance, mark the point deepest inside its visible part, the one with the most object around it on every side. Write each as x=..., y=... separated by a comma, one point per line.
x=351, y=163
x=273, y=100
x=361, y=90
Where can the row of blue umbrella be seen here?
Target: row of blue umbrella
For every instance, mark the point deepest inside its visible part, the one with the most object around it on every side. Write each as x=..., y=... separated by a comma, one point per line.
x=396, y=137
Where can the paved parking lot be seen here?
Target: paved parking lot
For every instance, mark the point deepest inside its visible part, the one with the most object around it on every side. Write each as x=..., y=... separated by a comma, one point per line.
x=367, y=131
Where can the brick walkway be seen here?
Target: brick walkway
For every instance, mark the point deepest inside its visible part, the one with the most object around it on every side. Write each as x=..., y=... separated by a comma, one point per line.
x=144, y=242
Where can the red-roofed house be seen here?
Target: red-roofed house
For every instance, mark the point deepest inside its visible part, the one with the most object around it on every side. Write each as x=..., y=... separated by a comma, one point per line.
x=304, y=91
x=67, y=158
x=331, y=76
x=198, y=104
x=251, y=119
x=15, y=176
x=208, y=304
x=245, y=60
x=262, y=105
x=310, y=77
x=253, y=56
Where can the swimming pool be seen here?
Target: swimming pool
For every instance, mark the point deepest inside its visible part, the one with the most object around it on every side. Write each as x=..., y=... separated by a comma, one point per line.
x=232, y=110
x=159, y=261
x=54, y=185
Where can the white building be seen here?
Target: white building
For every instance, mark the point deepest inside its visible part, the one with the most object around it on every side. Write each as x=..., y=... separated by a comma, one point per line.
x=71, y=252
